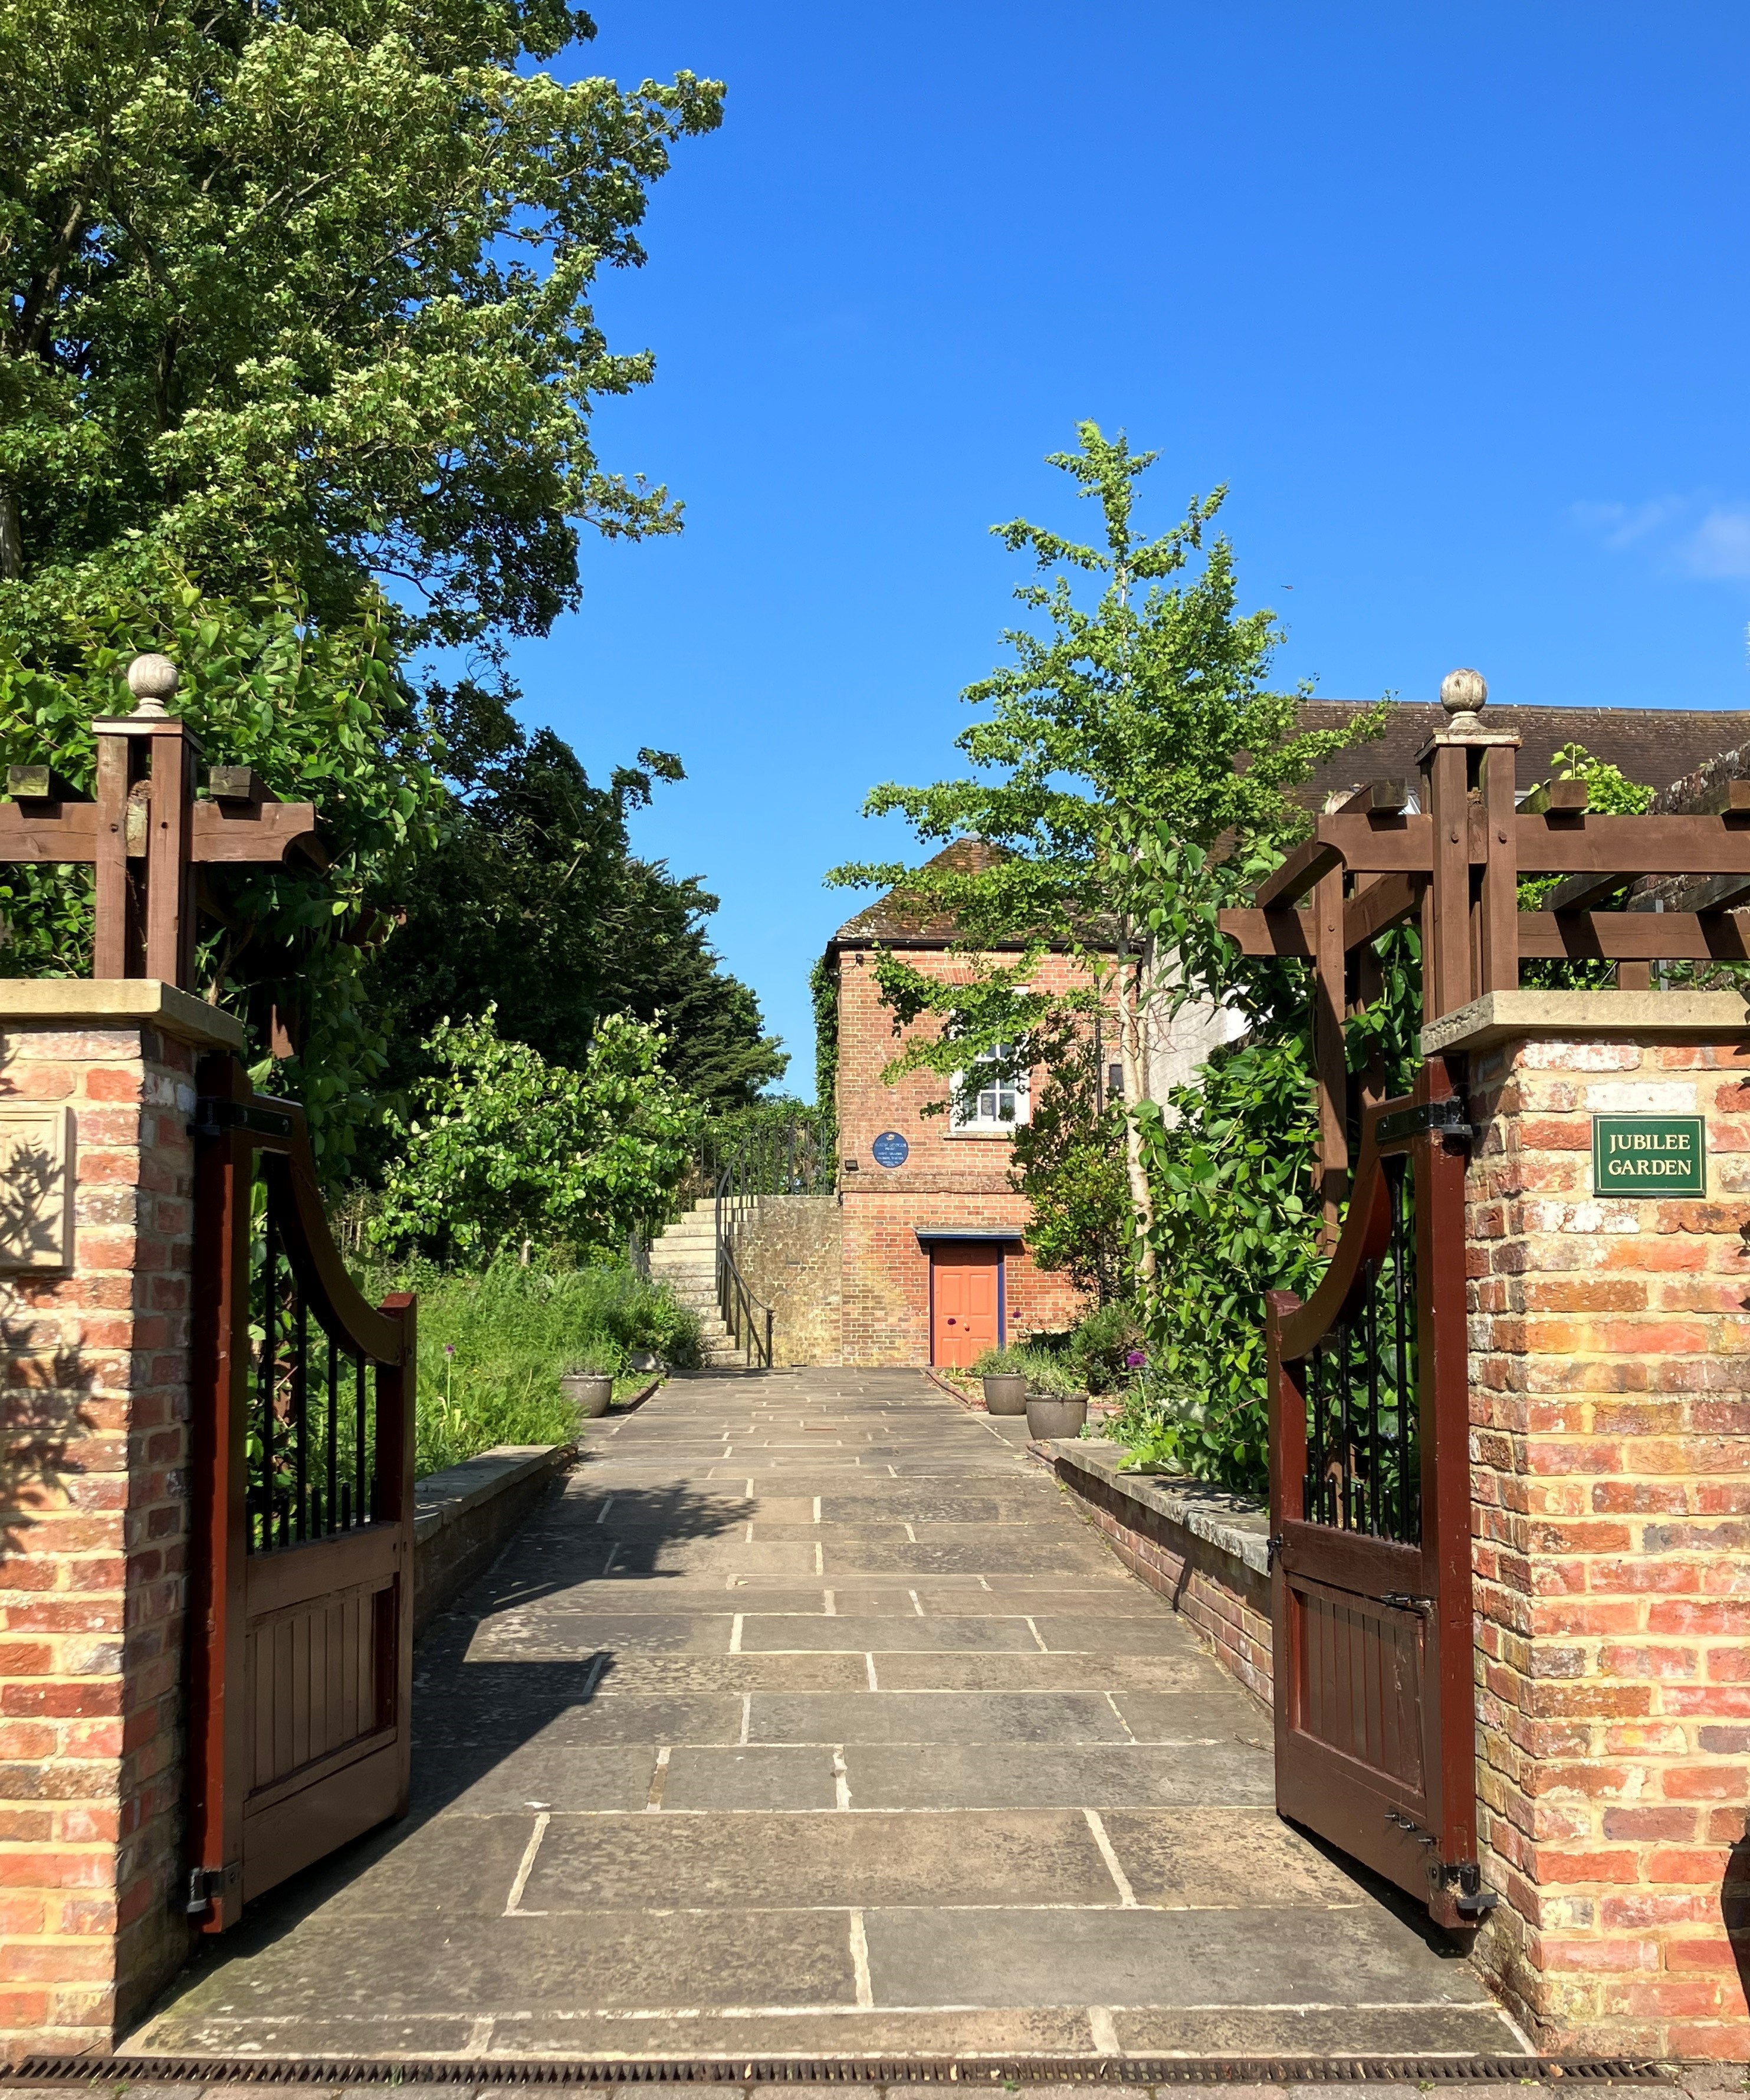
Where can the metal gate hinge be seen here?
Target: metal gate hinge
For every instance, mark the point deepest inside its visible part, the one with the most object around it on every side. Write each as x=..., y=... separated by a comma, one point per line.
x=1471, y=1900
x=1447, y=1119
x=1272, y=1547
x=205, y=1884
x=1401, y=1600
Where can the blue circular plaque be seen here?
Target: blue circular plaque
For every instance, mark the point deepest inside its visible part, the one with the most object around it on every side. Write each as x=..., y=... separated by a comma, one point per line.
x=890, y=1149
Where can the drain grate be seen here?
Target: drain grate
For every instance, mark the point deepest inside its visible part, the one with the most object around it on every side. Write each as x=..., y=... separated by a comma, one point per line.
x=835, y=2071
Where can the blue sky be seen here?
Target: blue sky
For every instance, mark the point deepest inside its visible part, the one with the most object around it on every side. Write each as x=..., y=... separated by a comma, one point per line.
x=1454, y=299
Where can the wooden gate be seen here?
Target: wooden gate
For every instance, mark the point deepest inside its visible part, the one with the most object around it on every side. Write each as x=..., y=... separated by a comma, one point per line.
x=1370, y=1519
x=302, y=1651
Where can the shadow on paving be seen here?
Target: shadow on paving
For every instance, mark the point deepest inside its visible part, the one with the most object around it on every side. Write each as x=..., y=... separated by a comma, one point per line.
x=901, y=1763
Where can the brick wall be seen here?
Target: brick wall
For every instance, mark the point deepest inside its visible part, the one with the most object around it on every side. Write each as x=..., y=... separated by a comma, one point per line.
x=1611, y=1479
x=92, y=1561
x=947, y=1179
x=1213, y=1591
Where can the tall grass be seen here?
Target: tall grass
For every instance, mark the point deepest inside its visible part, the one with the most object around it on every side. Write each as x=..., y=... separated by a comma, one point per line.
x=494, y=1344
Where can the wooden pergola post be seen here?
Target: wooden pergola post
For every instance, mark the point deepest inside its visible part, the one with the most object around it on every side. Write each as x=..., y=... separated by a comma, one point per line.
x=1378, y=860
x=148, y=830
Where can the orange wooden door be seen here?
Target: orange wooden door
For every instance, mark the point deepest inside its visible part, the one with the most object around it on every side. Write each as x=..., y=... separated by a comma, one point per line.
x=964, y=1299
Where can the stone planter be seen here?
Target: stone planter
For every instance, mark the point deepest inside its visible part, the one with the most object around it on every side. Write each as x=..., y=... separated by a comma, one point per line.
x=1051, y=1415
x=1005, y=1393
x=588, y=1392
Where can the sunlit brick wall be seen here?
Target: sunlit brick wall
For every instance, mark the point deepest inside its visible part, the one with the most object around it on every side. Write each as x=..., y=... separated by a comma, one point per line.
x=1612, y=1436
x=952, y=1180
x=93, y=1563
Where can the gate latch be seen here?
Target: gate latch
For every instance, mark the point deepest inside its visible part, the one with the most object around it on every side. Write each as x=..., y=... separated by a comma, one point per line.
x=1401, y=1600
x=1272, y=1547
x=206, y=1884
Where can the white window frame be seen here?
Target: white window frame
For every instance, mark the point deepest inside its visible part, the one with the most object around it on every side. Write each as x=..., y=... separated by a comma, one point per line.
x=978, y=1104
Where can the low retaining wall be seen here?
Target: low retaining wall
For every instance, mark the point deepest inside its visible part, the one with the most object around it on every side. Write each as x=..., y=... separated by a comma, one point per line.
x=464, y=1515
x=1205, y=1551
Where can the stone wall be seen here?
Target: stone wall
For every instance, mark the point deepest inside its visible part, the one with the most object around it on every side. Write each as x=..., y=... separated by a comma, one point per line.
x=790, y=1249
x=94, y=1560
x=1611, y=1479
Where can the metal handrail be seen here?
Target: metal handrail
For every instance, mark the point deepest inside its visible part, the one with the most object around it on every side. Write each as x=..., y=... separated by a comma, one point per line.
x=781, y=1160
x=735, y=1301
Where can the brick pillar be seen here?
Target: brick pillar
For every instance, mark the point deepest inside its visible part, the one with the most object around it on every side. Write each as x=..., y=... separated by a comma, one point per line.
x=1611, y=1483
x=93, y=1551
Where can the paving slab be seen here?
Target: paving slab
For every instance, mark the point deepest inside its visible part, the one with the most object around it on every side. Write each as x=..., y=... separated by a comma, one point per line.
x=779, y=1862
x=1103, y=1775
x=808, y=1718
x=751, y=1778
x=895, y=1630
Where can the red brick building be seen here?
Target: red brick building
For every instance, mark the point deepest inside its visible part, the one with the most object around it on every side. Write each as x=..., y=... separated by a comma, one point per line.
x=934, y=1266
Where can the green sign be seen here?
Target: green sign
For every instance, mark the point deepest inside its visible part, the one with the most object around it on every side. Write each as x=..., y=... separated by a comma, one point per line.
x=1649, y=1155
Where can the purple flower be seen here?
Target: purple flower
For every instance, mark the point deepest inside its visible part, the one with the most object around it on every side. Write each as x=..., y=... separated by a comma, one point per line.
x=1136, y=1360
x=449, y=1348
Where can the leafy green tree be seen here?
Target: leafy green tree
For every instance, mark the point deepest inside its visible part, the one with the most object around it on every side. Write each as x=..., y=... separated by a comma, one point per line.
x=297, y=364
x=1068, y=1160
x=506, y=1147
x=322, y=716
x=1120, y=745
x=532, y=903
x=304, y=290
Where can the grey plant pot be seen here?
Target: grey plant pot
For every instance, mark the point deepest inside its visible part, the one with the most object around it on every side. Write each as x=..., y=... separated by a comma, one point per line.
x=588, y=1392
x=1051, y=1415
x=1005, y=1393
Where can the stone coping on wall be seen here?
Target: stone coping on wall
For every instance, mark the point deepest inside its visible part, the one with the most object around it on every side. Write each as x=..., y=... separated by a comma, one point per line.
x=1236, y=1524
x=1688, y=1017
x=121, y=1001
x=464, y=1516
x=442, y=1499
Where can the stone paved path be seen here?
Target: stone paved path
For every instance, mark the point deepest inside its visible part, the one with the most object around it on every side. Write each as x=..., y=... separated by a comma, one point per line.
x=810, y=1719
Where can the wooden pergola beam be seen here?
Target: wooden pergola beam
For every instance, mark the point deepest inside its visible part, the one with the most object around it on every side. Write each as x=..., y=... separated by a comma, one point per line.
x=1554, y=843
x=1385, y=903
x=1638, y=936
x=1298, y=872
x=1278, y=933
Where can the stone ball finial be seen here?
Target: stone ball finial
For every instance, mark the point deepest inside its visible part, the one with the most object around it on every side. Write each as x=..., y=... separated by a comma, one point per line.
x=1462, y=692
x=152, y=679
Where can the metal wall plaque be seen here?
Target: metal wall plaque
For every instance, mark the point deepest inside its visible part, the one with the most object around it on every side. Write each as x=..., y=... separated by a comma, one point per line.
x=1649, y=1155
x=890, y=1149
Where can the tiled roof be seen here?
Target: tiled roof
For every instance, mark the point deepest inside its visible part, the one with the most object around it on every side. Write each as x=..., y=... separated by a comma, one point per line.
x=1655, y=745
x=898, y=916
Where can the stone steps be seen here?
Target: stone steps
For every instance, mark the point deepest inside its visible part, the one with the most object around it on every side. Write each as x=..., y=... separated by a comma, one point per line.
x=685, y=1259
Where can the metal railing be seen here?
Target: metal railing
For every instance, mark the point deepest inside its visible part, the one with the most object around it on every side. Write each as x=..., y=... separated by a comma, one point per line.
x=790, y=1156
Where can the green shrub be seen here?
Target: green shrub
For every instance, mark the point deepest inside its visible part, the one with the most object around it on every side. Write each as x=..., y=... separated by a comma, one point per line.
x=1099, y=1347
x=1047, y=1370
x=494, y=1344
x=1163, y=1422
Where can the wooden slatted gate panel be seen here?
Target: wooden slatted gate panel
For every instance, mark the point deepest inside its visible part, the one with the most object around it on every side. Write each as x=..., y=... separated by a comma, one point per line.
x=1370, y=1520
x=304, y=1543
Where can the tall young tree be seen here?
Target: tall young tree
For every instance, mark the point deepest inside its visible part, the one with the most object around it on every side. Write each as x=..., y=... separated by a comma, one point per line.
x=1127, y=736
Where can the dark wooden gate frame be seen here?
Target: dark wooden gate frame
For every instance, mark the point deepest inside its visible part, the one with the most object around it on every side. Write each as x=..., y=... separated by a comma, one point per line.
x=1449, y=854
x=229, y=1586
x=1423, y=1837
